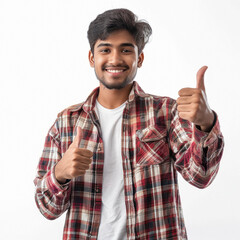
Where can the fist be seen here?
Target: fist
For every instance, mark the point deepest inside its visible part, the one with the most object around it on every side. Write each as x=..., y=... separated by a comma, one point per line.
x=193, y=105
x=75, y=161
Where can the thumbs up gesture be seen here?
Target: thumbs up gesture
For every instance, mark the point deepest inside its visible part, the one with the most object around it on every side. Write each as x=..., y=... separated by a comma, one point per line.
x=193, y=105
x=75, y=161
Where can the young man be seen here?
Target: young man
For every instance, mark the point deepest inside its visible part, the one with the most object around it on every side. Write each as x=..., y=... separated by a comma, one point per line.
x=112, y=160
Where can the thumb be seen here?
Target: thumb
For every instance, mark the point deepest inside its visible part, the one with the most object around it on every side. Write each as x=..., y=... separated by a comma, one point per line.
x=78, y=137
x=200, y=78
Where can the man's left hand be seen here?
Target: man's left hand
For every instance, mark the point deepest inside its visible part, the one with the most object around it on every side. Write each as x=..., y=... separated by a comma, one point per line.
x=193, y=105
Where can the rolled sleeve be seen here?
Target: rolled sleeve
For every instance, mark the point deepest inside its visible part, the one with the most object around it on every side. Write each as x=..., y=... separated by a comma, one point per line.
x=53, y=185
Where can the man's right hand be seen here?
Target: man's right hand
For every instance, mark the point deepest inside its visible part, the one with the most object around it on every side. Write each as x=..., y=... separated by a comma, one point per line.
x=75, y=161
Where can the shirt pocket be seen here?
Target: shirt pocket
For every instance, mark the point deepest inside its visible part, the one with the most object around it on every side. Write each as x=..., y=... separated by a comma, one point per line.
x=151, y=146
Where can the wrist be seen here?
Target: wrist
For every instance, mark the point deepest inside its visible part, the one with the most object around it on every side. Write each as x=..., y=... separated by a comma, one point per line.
x=58, y=176
x=208, y=127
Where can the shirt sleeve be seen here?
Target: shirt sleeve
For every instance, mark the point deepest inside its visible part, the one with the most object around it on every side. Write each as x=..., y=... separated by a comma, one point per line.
x=196, y=154
x=51, y=197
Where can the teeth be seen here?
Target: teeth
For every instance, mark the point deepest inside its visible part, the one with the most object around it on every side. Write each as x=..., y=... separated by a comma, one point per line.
x=114, y=71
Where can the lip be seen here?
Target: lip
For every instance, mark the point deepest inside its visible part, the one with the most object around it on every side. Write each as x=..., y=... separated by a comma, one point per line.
x=115, y=70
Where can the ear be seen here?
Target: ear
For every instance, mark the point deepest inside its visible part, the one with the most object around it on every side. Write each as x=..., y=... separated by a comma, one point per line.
x=140, y=59
x=91, y=58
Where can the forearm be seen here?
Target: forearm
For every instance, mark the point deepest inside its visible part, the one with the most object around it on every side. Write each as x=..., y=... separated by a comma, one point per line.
x=198, y=161
x=51, y=197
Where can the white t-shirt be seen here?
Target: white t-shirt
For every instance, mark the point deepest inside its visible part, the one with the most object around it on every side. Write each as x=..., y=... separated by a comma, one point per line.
x=113, y=212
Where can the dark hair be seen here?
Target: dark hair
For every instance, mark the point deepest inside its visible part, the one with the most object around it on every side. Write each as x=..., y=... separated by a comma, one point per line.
x=118, y=19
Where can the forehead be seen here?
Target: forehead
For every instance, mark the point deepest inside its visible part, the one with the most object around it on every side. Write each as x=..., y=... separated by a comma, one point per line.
x=117, y=38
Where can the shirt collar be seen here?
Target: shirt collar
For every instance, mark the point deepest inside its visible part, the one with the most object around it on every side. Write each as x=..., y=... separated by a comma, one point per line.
x=89, y=104
x=136, y=91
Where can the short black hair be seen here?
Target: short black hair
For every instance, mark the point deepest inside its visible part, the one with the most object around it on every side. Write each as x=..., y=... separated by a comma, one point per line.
x=119, y=19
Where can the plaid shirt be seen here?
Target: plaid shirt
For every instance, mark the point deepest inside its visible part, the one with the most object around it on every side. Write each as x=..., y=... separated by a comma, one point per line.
x=156, y=144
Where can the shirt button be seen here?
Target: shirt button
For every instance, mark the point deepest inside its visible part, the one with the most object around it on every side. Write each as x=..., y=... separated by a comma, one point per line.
x=97, y=190
x=99, y=147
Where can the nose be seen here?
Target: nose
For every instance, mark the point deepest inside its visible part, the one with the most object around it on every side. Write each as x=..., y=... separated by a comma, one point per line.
x=115, y=58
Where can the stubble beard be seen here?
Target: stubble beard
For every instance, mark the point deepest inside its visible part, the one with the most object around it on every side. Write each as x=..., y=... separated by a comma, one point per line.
x=117, y=86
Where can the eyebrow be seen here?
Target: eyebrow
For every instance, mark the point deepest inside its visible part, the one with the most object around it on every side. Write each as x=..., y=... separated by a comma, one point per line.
x=110, y=45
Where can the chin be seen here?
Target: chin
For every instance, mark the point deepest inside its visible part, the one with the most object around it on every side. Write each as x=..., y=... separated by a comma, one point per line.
x=116, y=85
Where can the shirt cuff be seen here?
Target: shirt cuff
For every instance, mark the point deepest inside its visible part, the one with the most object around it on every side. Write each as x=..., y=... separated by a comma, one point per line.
x=207, y=138
x=53, y=185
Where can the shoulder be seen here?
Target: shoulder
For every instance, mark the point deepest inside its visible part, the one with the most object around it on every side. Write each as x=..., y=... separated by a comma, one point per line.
x=68, y=117
x=71, y=110
x=65, y=121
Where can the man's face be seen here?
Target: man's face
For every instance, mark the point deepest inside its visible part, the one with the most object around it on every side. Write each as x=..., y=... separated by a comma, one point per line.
x=115, y=60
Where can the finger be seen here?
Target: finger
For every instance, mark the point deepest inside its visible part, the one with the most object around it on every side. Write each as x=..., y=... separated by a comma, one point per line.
x=195, y=98
x=78, y=137
x=84, y=166
x=85, y=152
x=83, y=160
x=184, y=92
x=78, y=156
x=184, y=108
x=78, y=172
x=200, y=78
x=184, y=100
x=81, y=165
x=187, y=116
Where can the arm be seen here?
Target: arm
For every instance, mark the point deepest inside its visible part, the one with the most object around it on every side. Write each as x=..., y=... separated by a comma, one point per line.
x=195, y=137
x=51, y=197
x=57, y=166
x=196, y=153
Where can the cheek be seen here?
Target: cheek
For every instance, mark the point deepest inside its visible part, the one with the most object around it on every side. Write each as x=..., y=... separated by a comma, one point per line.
x=98, y=65
x=134, y=65
x=99, y=62
x=134, y=62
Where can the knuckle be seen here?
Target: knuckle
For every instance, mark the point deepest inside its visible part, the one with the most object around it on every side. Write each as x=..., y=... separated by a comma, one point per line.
x=73, y=172
x=194, y=106
x=197, y=108
x=193, y=116
x=196, y=99
x=75, y=157
x=89, y=153
x=181, y=115
x=181, y=92
x=74, y=165
x=198, y=91
x=84, y=167
x=178, y=100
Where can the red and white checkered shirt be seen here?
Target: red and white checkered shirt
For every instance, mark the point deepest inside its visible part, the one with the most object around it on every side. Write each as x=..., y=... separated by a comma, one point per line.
x=156, y=144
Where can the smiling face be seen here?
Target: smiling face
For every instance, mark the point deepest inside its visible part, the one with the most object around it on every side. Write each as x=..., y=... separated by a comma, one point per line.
x=115, y=60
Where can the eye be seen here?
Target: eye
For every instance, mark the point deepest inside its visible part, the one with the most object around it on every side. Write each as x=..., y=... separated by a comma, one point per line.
x=105, y=50
x=125, y=50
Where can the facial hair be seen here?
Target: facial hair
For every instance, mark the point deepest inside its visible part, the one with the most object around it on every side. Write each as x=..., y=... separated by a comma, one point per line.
x=118, y=86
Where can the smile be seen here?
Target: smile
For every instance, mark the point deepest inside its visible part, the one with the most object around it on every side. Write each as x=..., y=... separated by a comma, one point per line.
x=115, y=71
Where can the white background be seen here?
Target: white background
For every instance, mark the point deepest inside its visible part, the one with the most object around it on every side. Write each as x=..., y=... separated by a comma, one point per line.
x=44, y=69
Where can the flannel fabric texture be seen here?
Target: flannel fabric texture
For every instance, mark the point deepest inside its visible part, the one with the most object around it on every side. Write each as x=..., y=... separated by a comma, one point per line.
x=156, y=144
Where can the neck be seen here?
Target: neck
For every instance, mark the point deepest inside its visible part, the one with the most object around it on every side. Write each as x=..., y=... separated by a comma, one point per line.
x=113, y=98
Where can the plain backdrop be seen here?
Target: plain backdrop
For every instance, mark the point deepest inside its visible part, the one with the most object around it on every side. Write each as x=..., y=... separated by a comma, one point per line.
x=44, y=68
